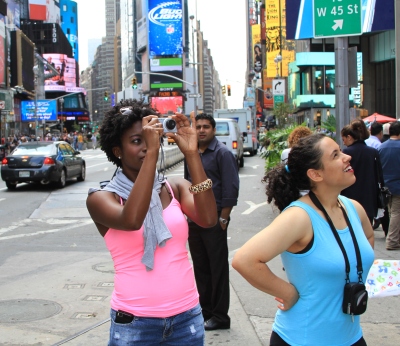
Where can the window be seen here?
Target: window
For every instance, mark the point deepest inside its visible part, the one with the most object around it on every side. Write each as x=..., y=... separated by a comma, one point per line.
x=72, y=19
x=222, y=129
x=68, y=31
x=65, y=8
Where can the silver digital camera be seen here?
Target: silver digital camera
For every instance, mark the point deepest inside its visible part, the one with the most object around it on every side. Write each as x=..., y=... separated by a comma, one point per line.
x=169, y=125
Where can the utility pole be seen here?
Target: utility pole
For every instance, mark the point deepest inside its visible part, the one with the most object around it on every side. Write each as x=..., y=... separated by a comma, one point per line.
x=194, y=67
x=342, y=86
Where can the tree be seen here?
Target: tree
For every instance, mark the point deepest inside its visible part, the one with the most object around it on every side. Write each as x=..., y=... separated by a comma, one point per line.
x=283, y=113
x=330, y=125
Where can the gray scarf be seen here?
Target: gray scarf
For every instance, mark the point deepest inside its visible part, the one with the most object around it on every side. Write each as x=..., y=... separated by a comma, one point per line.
x=155, y=231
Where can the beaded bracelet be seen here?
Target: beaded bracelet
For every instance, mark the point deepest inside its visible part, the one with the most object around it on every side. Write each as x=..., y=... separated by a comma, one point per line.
x=201, y=187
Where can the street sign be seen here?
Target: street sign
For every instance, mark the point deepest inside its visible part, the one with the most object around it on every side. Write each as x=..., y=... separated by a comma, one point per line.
x=196, y=96
x=278, y=87
x=337, y=18
x=279, y=99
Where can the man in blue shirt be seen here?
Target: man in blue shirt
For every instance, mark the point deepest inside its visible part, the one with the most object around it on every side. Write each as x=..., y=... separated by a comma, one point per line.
x=375, y=138
x=209, y=246
x=389, y=153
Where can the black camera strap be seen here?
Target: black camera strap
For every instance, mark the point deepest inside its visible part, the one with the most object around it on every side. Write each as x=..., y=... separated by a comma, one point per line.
x=336, y=235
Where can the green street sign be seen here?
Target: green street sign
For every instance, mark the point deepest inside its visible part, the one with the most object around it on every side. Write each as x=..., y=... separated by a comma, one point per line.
x=337, y=18
x=279, y=99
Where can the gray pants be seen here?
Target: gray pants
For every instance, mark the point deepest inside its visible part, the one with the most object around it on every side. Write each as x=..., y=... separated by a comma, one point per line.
x=393, y=236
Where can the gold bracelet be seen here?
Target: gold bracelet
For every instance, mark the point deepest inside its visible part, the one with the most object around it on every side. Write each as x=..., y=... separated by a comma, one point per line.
x=201, y=187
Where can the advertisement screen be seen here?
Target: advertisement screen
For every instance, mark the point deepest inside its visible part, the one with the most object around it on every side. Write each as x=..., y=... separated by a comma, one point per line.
x=13, y=12
x=164, y=83
x=46, y=110
x=167, y=105
x=46, y=10
x=67, y=69
x=165, y=28
x=376, y=15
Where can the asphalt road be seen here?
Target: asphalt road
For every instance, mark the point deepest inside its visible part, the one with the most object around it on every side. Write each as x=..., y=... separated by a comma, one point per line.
x=56, y=275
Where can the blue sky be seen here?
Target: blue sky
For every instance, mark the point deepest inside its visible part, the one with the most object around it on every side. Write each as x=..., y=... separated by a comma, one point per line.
x=223, y=23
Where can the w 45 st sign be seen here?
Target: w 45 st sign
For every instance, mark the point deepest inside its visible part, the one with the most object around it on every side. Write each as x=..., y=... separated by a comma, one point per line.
x=337, y=18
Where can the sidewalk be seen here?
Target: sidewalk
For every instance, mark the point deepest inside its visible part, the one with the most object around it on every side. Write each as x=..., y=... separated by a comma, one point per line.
x=241, y=333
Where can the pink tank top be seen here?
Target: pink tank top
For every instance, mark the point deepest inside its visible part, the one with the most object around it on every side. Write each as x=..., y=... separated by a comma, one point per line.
x=170, y=287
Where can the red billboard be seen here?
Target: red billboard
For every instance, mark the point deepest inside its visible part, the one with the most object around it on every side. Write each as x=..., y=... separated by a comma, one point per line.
x=167, y=105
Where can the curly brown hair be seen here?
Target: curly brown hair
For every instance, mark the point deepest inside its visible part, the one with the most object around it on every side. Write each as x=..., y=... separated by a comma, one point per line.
x=297, y=133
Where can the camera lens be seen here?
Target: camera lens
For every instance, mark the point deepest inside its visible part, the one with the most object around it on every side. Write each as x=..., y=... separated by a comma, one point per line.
x=170, y=124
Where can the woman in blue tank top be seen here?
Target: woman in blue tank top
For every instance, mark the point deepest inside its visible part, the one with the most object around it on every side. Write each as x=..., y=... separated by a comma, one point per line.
x=310, y=301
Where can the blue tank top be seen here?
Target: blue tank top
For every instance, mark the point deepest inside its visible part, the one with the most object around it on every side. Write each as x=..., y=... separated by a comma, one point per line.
x=319, y=277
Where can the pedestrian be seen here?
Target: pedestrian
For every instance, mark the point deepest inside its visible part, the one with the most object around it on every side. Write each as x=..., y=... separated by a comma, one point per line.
x=142, y=217
x=293, y=138
x=80, y=141
x=374, y=140
x=385, y=132
x=364, y=161
x=389, y=152
x=310, y=301
x=94, y=140
x=209, y=246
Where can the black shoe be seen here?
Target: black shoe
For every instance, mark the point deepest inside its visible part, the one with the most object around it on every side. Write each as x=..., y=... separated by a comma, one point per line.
x=376, y=224
x=213, y=324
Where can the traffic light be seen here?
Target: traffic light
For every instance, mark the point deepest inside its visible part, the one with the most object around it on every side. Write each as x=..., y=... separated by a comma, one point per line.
x=229, y=90
x=106, y=96
x=134, y=83
x=223, y=89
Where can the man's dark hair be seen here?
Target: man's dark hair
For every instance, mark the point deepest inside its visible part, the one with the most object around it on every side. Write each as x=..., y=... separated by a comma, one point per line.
x=394, y=129
x=115, y=124
x=205, y=116
x=376, y=128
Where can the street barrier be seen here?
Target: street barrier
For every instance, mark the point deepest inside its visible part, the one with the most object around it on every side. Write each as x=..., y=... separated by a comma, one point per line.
x=172, y=156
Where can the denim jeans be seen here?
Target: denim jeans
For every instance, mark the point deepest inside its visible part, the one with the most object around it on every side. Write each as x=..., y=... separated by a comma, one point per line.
x=184, y=329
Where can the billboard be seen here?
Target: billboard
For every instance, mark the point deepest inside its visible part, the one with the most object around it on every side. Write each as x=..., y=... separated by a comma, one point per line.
x=166, y=66
x=257, y=53
x=13, y=12
x=165, y=28
x=46, y=10
x=67, y=69
x=276, y=40
x=167, y=105
x=376, y=15
x=46, y=110
x=3, y=61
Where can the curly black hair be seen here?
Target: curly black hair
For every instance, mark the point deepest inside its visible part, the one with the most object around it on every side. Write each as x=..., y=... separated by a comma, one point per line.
x=283, y=185
x=115, y=124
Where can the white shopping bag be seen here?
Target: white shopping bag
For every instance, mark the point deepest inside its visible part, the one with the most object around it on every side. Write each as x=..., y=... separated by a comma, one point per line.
x=383, y=279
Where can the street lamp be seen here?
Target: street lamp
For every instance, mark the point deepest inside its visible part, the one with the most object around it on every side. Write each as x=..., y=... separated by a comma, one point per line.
x=61, y=116
x=277, y=61
x=194, y=70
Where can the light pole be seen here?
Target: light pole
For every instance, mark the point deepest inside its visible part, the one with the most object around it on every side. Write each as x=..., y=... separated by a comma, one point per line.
x=194, y=68
x=277, y=61
x=36, y=72
x=61, y=116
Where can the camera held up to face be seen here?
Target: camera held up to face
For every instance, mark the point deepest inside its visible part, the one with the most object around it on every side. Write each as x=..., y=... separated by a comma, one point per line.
x=169, y=125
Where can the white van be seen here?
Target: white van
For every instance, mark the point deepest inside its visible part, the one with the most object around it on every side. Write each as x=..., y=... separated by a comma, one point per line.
x=228, y=132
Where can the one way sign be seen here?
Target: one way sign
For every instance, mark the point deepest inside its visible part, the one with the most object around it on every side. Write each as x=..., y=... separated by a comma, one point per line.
x=278, y=87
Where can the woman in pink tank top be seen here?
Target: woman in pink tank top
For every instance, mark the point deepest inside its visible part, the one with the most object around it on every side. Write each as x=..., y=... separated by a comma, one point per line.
x=142, y=219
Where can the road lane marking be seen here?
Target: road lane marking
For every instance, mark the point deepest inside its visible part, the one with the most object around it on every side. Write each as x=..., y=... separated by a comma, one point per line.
x=253, y=207
x=56, y=230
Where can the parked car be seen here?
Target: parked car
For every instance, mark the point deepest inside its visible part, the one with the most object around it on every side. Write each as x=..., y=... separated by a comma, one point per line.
x=227, y=131
x=42, y=162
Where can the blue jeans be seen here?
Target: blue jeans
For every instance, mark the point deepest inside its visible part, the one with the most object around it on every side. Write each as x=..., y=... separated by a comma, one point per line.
x=184, y=329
